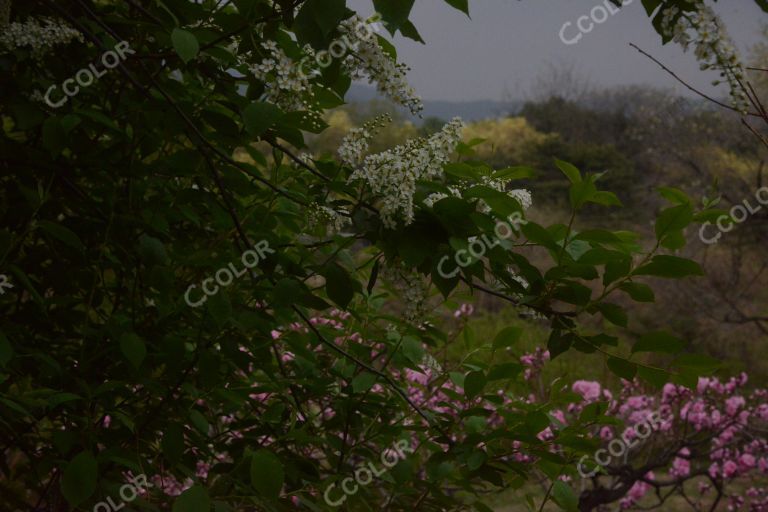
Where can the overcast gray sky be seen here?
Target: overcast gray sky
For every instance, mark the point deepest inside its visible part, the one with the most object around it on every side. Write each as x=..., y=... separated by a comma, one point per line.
x=507, y=43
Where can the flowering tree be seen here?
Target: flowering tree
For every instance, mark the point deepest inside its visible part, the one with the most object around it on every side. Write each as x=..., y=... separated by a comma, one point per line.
x=694, y=445
x=245, y=332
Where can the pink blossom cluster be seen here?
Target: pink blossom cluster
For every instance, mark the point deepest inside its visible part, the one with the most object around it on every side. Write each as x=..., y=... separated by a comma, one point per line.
x=730, y=420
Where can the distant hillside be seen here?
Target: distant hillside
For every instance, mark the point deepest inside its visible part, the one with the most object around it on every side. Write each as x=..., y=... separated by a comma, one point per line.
x=467, y=110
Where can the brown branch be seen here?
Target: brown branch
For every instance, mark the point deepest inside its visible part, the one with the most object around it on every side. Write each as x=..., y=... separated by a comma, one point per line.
x=691, y=88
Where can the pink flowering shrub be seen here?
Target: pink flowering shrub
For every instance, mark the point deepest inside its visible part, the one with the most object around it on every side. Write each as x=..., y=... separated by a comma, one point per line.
x=713, y=436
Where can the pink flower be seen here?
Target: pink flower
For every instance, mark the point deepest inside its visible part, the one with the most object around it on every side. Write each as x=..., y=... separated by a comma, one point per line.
x=729, y=469
x=589, y=390
x=747, y=461
x=681, y=467
x=733, y=404
x=465, y=310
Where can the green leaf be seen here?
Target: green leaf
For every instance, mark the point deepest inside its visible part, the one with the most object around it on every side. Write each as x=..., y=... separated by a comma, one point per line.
x=655, y=377
x=623, y=368
x=598, y=235
x=474, y=382
x=659, y=341
x=133, y=349
x=173, y=442
x=374, y=276
x=152, y=250
x=462, y=5
x=670, y=267
x=605, y=198
x=558, y=343
x=638, y=291
x=504, y=371
x=564, y=496
x=412, y=349
x=507, y=337
x=267, y=474
x=613, y=313
x=538, y=235
x=518, y=172
x=674, y=195
x=672, y=219
x=199, y=421
x=78, y=482
x=260, y=116
x=62, y=234
x=581, y=192
x=338, y=285
x=700, y=362
x=570, y=171
x=462, y=171
x=394, y=12
x=363, y=382
x=194, y=499
x=185, y=43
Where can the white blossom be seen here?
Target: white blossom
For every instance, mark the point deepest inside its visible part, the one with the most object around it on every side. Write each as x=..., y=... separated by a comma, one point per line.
x=713, y=46
x=286, y=86
x=330, y=219
x=393, y=174
x=411, y=288
x=356, y=142
x=40, y=35
x=368, y=59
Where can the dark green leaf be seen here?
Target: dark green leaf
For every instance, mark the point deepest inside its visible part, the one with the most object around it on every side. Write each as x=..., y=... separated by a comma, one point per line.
x=185, y=43
x=623, y=368
x=267, y=474
x=658, y=341
x=570, y=171
x=670, y=267
x=78, y=482
x=133, y=349
x=507, y=337
x=474, y=382
x=260, y=116
x=194, y=499
x=638, y=291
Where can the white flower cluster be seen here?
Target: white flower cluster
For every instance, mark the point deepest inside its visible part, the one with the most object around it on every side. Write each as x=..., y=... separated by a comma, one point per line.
x=393, y=174
x=318, y=215
x=411, y=288
x=713, y=47
x=355, y=143
x=434, y=197
x=40, y=35
x=369, y=59
x=285, y=85
x=522, y=195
